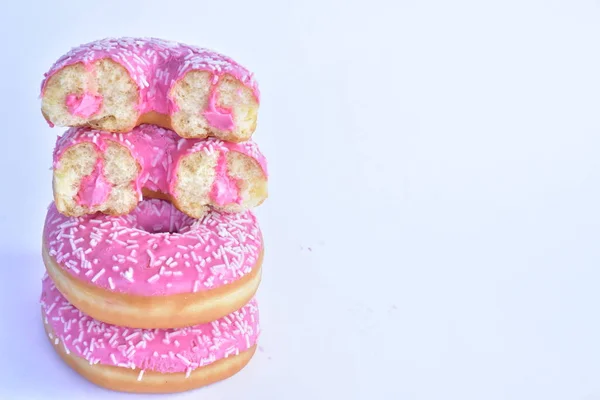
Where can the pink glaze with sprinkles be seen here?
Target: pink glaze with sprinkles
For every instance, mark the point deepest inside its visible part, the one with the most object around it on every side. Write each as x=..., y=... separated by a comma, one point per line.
x=157, y=152
x=155, y=250
x=156, y=65
x=159, y=350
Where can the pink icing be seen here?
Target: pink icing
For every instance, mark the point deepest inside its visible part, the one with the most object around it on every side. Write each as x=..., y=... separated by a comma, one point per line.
x=84, y=105
x=157, y=152
x=218, y=117
x=136, y=253
x=225, y=189
x=94, y=188
x=156, y=65
x=160, y=350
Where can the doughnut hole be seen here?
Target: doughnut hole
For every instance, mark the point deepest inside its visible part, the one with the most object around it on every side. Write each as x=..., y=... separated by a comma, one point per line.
x=195, y=176
x=104, y=77
x=191, y=96
x=251, y=182
x=79, y=161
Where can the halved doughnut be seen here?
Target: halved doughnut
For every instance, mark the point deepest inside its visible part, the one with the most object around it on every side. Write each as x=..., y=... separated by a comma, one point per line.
x=116, y=84
x=96, y=171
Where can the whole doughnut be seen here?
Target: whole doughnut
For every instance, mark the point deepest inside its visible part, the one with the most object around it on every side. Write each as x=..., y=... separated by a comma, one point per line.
x=149, y=361
x=155, y=267
x=116, y=84
x=99, y=171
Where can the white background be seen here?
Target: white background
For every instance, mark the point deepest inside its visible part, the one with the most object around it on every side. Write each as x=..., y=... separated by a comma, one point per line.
x=433, y=228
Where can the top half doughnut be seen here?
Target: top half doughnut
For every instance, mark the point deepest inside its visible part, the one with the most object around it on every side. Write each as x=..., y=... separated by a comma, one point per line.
x=117, y=84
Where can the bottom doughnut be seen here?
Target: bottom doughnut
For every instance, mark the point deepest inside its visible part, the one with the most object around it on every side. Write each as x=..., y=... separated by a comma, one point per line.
x=149, y=360
x=126, y=379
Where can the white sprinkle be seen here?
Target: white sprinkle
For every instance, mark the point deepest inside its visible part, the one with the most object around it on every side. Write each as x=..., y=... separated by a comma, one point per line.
x=139, y=378
x=111, y=283
x=151, y=255
x=98, y=275
x=185, y=360
x=113, y=338
x=128, y=274
x=153, y=278
x=132, y=336
x=49, y=309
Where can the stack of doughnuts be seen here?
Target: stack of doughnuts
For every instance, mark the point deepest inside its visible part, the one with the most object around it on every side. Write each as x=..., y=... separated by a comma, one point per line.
x=152, y=253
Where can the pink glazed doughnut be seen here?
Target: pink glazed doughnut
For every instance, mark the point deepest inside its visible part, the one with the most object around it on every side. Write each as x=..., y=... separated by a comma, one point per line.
x=116, y=84
x=149, y=361
x=96, y=171
x=155, y=267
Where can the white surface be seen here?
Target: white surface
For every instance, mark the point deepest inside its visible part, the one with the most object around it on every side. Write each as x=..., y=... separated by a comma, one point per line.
x=433, y=228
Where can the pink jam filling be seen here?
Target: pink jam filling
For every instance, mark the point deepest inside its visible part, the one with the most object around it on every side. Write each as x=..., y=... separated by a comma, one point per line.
x=83, y=106
x=94, y=188
x=225, y=189
x=218, y=117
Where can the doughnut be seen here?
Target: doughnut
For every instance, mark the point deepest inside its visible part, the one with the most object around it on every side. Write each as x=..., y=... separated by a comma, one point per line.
x=155, y=267
x=96, y=171
x=116, y=84
x=149, y=360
